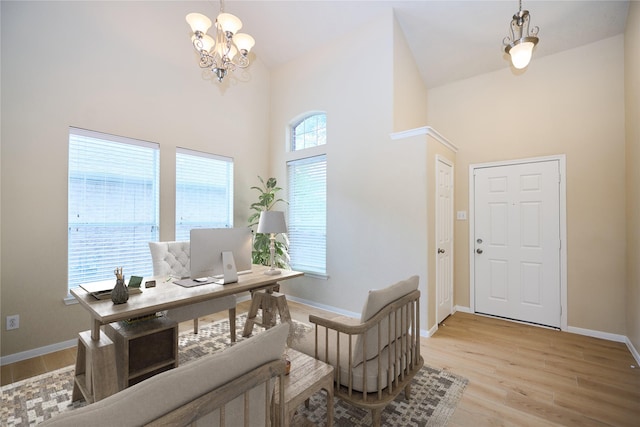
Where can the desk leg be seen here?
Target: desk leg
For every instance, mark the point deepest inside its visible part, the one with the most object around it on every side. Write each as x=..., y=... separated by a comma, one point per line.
x=95, y=330
x=96, y=376
x=256, y=300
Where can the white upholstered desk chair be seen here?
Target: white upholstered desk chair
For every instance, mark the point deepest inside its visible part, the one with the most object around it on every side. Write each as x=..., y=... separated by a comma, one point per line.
x=173, y=258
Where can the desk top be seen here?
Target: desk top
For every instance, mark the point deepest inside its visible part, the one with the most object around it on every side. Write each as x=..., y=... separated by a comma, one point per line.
x=166, y=295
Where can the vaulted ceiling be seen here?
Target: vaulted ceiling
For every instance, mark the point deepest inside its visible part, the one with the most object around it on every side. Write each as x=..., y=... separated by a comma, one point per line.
x=450, y=40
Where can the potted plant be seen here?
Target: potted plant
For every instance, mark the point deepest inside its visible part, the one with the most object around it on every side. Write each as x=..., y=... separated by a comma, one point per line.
x=267, y=199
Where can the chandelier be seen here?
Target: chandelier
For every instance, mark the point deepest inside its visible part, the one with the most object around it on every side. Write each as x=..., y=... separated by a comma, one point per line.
x=522, y=40
x=227, y=50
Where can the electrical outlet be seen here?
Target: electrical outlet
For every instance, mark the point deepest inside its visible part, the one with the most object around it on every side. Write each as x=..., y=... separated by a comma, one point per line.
x=13, y=322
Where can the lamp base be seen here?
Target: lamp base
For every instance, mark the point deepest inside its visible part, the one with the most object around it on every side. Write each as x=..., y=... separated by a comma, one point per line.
x=272, y=272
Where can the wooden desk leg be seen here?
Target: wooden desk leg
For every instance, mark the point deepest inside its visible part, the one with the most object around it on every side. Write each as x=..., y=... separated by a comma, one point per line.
x=256, y=299
x=96, y=375
x=95, y=330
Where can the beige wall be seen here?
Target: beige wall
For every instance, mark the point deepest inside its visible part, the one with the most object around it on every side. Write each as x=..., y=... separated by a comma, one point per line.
x=570, y=103
x=632, y=98
x=100, y=67
x=409, y=91
x=376, y=187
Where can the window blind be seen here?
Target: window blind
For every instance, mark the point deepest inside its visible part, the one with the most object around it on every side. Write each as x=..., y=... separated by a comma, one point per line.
x=204, y=192
x=307, y=213
x=113, y=193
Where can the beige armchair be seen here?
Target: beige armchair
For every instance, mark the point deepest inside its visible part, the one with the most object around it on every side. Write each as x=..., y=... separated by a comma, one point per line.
x=374, y=357
x=173, y=258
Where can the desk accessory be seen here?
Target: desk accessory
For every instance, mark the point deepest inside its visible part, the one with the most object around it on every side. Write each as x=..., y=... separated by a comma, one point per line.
x=134, y=282
x=120, y=293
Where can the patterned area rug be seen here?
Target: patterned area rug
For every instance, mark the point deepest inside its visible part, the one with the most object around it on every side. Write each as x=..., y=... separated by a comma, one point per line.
x=434, y=393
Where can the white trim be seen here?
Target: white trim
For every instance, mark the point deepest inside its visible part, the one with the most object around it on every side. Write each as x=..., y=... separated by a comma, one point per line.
x=562, y=165
x=17, y=357
x=633, y=350
x=196, y=153
x=24, y=355
x=425, y=130
x=597, y=334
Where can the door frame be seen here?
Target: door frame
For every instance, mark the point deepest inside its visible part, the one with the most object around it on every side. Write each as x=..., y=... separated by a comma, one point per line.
x=446, y=161
x=561, y=159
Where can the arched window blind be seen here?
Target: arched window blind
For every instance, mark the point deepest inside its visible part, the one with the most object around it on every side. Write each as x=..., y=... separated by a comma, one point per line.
x=113, y=194
x=204, y=192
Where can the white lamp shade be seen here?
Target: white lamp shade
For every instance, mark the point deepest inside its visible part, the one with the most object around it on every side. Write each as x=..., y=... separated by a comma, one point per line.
x=521, y=54
x=198, y=22
x=244, y=41
x=207, y=42
x=272, y=222
x=229, y=23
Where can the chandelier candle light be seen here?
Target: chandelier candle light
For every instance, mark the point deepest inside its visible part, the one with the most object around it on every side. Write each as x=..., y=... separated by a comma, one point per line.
x=228, y=50
x=272, y=222
x=522, y=40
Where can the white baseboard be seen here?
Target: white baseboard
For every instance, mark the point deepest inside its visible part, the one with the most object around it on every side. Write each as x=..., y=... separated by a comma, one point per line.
x=24, y=355
x=17, y=357
x=587, y=332
x=633, y=350
x=462, y=309
x=324, y=307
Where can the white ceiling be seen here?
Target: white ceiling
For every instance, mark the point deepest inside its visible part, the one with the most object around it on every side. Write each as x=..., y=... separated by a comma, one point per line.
x=450, y=39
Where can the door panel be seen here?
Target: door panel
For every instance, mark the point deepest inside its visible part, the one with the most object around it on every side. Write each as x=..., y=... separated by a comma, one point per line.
x=517, y=242
x=444, y=240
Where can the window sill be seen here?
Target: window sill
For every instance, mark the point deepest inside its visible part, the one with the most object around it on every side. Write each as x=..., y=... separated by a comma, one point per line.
x=70, y=300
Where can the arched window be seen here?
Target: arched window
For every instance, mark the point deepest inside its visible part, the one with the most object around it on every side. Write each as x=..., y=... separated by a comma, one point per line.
x=307, y=194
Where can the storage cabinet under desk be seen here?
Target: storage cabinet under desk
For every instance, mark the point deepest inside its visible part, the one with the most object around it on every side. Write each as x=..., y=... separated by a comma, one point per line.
x=144, y=348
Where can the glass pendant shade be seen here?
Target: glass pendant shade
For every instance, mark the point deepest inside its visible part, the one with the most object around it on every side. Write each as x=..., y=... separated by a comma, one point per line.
x=244, y=41
x=521, y=54
x=229, y=23
x=208, y=42
x=198, y=22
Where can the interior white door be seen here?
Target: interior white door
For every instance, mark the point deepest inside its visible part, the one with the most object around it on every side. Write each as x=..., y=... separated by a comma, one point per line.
x=517, y=242
x=444, y=239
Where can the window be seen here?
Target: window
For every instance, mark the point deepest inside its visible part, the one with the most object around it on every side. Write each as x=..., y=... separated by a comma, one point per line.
x=204, y=192
x=113, y=205
x=307, y=195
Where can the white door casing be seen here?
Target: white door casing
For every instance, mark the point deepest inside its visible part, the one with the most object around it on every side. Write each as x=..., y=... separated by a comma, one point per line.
x=444, y=238
x=518, y=263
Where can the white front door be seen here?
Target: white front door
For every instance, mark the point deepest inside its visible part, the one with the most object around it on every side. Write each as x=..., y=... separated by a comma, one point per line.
x=444, y=239
x=517, y=242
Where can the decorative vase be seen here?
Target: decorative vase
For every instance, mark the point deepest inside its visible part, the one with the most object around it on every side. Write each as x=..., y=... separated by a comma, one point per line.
x=120, y=293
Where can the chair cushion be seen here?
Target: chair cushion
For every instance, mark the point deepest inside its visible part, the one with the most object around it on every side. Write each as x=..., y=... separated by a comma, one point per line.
x=306, y=344
x=171, y=258
x=376, y=301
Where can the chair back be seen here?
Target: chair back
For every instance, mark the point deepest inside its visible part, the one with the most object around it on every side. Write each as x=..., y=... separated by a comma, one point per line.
x=378, y=299
x=171, y=258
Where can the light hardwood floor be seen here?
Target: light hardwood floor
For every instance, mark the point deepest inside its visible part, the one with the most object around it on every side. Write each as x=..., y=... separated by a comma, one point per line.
x=518, y=375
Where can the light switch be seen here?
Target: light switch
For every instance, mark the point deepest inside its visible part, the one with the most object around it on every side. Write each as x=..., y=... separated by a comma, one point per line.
x=461, y=215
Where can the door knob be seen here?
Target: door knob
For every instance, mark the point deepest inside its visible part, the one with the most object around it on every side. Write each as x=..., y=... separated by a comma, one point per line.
x=479, y=251
x=440, y=250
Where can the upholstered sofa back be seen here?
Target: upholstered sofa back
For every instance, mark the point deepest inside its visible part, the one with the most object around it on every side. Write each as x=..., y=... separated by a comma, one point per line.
x=150, y=399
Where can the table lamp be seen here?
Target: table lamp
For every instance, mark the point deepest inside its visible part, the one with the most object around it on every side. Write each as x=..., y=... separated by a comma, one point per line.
x=272, y=222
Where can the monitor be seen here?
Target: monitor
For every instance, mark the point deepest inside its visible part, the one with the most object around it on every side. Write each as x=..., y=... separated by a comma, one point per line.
x=209, y=244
